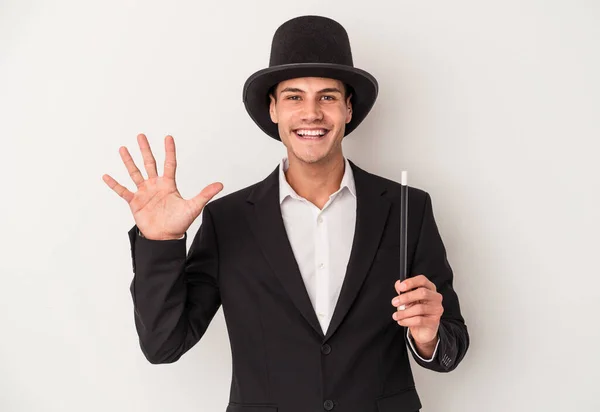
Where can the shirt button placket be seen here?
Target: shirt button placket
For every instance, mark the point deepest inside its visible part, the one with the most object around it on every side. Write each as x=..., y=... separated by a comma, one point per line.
x=321, y=278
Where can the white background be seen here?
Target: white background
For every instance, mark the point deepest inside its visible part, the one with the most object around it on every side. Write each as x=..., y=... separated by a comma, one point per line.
x=492, y=107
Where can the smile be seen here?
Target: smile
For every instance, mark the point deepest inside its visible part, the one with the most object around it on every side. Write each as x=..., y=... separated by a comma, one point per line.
x=311, y=134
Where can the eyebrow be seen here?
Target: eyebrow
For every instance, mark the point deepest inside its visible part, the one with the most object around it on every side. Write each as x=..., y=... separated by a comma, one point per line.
x=296, y=90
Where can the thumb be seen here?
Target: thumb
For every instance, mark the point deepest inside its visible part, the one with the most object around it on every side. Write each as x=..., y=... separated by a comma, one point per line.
x=202, y=198
x=397, y=286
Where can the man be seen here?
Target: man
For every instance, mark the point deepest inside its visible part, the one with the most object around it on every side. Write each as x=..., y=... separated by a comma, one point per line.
x=304, y=262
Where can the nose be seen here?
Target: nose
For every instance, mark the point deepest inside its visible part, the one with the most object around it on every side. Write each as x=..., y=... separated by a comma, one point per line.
x=311, y=111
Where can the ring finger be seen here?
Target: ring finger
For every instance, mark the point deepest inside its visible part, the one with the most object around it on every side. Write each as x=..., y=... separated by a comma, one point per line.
x=133, y=170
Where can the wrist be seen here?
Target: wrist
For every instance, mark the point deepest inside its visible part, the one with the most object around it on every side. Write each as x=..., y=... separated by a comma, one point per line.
x=426, y=349
x=162, y=238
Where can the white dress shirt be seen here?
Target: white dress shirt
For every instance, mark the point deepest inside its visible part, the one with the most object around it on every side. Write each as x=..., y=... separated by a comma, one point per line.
x=321, y=240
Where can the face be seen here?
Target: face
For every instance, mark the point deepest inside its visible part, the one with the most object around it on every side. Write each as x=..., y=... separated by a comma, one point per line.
x=311, y=114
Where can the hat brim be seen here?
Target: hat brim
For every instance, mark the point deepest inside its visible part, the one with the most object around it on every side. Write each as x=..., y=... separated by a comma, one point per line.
x=257, y=86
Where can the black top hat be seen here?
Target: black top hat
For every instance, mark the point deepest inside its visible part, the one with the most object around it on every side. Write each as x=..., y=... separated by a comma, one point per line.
x=309, y=46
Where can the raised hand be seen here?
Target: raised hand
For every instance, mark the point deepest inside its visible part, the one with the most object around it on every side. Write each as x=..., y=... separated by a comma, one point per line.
x=159, y=211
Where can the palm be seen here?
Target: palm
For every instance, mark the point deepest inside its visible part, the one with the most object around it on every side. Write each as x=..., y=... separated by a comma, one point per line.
x=158, y=209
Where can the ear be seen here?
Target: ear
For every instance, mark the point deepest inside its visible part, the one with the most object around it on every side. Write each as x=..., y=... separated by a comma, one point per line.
x=272, y=111
x=349, y=109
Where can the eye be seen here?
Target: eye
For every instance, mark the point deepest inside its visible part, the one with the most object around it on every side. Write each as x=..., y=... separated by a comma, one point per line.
x=330, y=97
x=292, y=97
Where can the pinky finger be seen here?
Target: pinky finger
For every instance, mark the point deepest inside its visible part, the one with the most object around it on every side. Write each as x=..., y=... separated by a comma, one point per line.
x=117, y=188
x=413, y=321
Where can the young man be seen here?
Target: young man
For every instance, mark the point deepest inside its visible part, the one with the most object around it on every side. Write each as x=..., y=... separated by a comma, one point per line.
x=305, y=262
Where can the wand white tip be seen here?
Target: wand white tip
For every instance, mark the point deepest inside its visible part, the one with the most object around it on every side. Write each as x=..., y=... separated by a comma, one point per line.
x=404, y=178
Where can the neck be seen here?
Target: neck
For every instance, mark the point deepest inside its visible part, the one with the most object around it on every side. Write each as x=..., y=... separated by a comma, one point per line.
x=315, y=181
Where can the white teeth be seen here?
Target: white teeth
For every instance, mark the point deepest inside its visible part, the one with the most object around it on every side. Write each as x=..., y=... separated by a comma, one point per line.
x=311, y=132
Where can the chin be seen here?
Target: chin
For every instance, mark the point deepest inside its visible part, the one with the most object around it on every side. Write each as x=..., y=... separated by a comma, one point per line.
x=309, y=160
x=311, y=157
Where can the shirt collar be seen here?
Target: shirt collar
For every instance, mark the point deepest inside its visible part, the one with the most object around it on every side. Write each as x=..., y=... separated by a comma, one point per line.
x=286, y=190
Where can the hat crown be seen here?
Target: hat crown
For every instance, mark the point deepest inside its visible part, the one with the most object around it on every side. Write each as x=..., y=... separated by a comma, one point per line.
x=310, y=39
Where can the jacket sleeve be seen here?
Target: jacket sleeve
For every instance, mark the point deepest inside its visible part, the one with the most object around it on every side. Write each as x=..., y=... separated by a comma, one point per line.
x=175, y=296
x=431, y=261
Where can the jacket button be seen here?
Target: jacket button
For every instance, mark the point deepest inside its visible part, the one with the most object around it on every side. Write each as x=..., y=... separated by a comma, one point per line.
x=328, y=405
x=326, y=349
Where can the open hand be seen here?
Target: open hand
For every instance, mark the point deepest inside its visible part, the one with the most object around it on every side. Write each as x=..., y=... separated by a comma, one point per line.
x=159, y=211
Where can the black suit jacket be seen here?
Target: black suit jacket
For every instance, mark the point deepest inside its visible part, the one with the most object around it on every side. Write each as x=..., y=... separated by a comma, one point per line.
x=241, y=259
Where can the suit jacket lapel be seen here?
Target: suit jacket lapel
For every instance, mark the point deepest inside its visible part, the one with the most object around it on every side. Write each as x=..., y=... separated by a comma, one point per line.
x=372, y=210
x=264, y=217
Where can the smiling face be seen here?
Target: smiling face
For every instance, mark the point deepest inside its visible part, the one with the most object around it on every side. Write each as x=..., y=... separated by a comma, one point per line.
x=311, y=114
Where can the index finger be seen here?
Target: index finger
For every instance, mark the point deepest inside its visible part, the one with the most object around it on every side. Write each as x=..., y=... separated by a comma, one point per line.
x=413, y=283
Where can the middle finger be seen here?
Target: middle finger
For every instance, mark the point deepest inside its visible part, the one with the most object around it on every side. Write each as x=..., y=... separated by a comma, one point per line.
x=149, y=160
x=420, y=294
x=414, y=310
